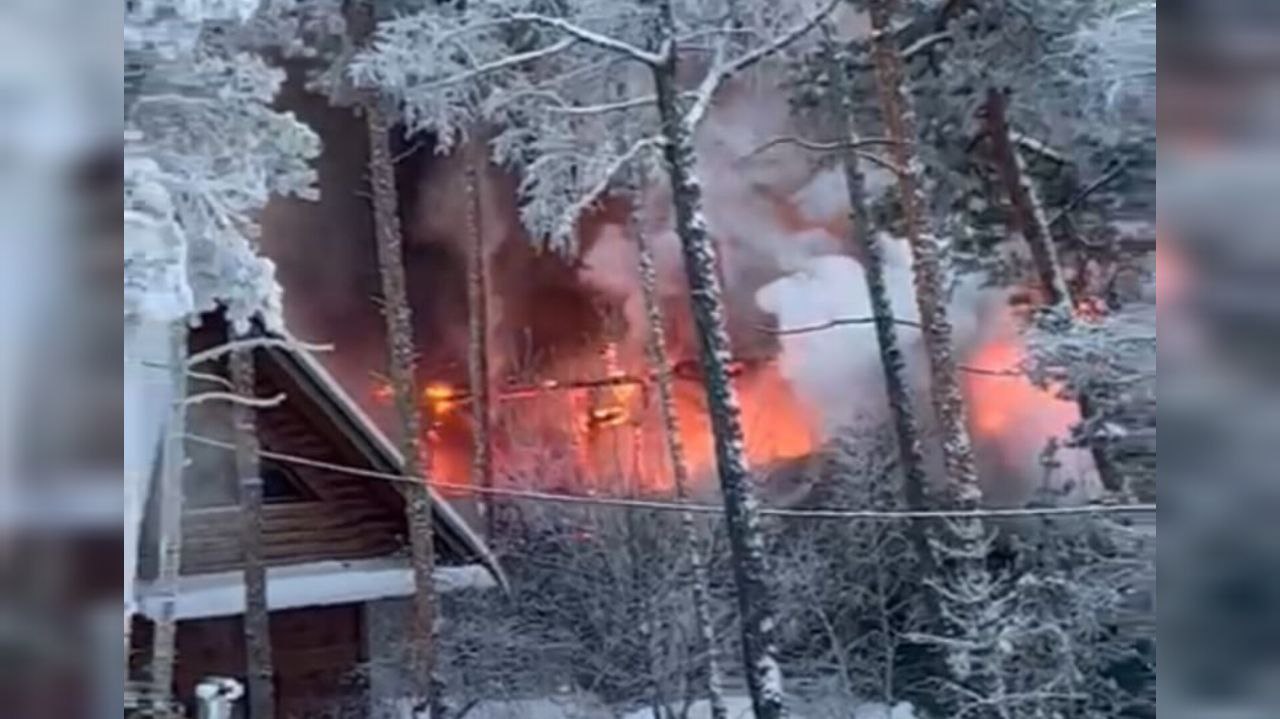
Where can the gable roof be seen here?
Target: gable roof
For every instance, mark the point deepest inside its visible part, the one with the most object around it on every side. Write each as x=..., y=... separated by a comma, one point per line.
x=313, y=379
x=335, y=446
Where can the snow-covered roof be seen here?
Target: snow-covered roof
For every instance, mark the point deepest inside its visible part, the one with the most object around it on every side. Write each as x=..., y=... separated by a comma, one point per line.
x=222, y=594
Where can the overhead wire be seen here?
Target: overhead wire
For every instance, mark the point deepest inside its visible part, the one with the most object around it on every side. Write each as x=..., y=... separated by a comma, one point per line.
x=669, y=506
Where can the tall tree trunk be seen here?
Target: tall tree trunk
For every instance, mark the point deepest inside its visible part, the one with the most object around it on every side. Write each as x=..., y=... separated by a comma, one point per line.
x=478, y=345
x=746, y=540
x=967, y=591
x=656, y=345
x=1028, y=212
x=427, y=693
x=930, y=283
x=257, y=628
x=170, y=526
x=400, y=357
x=1030, y=221
x=892, y=363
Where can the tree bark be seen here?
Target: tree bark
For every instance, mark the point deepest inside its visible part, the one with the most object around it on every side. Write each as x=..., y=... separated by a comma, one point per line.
x=656, y=346
x=1029, y=219
x=892, y=363
x=967, y=591
x=930, y=285
x=401, y=358
x=478, y=346
x=257, y=628
x=1028, y=212
x=170, y=526
x=746, y=541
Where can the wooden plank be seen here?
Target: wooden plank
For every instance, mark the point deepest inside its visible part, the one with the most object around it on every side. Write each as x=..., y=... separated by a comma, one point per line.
x=290, y=516
x=229, y=560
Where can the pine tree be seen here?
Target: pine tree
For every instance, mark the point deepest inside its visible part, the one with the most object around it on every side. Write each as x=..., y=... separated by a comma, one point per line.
x=169, y=521
x=1031, y=222
x=427, y=696
x=257, y=627
x=1081, y=97
x=204, y=152
x=400, y=357
x=764, y=676
x=867, y=242
x=970, y=597
x=656, y=346
x=540, y=74
x=478, y=341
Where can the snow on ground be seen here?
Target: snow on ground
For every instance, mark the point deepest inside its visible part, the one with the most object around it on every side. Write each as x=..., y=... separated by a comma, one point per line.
x=740, y=708
x=544, y=708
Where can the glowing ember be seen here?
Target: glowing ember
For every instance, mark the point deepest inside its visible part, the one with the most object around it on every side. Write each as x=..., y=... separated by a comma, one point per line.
x=440, y=398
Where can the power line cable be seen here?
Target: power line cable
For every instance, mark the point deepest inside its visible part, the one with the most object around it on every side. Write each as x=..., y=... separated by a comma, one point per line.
x=818, y=513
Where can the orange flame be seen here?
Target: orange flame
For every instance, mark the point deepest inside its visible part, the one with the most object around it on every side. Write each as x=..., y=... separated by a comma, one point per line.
x=612, y=432
x=1009, y=410
x=440, y=398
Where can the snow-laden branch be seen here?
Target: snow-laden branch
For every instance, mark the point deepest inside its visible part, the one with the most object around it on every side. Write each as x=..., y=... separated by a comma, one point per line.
x=1037, y=147
x=852, y=145
x=642, y=101
x=198, y=358
x=503, y=63
x=924, y=43
x=211, y=378
x=590, y=36
x=723, y=70
x=558, y=105
x=1087, y=190
x=596, y=191
x=233, y=398
x=782, y=41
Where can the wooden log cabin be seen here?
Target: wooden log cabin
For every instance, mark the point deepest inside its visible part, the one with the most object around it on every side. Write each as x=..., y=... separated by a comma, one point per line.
x=338, y=576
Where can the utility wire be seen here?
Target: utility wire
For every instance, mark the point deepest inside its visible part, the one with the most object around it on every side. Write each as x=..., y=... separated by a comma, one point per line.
x=562, y=498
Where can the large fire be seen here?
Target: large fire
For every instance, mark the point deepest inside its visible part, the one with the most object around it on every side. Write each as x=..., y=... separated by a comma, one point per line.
x=602, y=434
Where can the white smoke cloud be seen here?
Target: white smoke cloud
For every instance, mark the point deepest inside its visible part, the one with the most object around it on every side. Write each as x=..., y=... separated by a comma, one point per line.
x=835, y=371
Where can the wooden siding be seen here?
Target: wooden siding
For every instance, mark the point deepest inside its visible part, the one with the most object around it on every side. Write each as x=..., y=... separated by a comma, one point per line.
x=345, y=517
x=318, y=657
x=336, y=515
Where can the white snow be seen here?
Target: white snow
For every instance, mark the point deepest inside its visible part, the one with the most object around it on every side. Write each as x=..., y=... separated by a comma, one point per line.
x=307, y=585
x=148, y=393
x=740, y=708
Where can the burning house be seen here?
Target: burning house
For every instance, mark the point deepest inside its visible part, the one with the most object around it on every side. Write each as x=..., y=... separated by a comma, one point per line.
x=572, y=406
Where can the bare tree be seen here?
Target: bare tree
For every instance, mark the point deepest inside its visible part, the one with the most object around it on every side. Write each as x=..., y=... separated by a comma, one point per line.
x=851, y=601
x=257, y=626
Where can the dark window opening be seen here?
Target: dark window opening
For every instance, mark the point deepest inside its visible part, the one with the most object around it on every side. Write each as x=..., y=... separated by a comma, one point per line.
x=280, y=485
